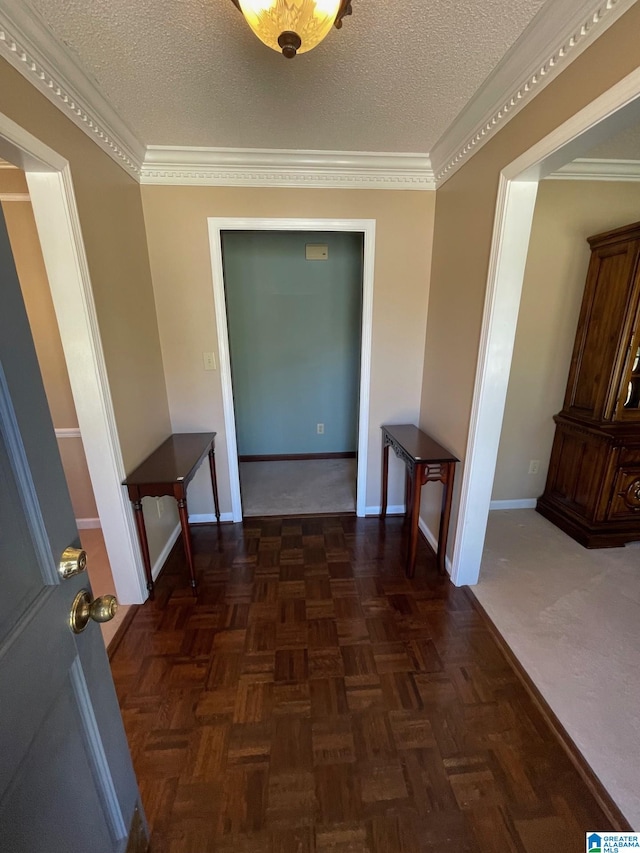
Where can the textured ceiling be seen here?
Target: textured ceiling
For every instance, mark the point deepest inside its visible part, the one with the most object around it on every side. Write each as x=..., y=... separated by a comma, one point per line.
x=621, y=146
x=190, y=72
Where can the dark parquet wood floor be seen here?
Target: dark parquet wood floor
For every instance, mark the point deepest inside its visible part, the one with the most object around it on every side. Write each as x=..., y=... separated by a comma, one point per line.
x=314, y=699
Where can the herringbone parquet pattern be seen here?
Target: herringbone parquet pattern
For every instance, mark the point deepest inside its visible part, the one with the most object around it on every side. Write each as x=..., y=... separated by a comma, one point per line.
x=314, y=699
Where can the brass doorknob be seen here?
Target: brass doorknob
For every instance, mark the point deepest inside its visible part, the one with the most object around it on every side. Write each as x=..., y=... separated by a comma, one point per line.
x=101, y=609
x=72, y=562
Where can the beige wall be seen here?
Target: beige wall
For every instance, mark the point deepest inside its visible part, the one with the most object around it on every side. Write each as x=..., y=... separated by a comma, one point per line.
x=463, y=230
x=566, y=213
x=25, y=246
x=113, y=230
x=110, y=211
x=176, y=219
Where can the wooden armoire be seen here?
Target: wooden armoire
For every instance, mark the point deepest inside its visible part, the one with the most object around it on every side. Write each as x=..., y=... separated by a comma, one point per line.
x=593, y=485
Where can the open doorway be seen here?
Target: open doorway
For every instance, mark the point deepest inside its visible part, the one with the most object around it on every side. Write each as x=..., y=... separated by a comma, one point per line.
x=294, y=314
x=25, y=245
x=569, y=614
x=364, y=232
x=51, y=195
x=611, y=113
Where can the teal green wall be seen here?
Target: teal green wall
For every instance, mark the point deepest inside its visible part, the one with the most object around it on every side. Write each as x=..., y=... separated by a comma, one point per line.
x=294, y=335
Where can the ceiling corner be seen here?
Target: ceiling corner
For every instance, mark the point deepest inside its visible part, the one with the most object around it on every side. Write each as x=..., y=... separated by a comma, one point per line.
x=27, y=44
x=550, y=43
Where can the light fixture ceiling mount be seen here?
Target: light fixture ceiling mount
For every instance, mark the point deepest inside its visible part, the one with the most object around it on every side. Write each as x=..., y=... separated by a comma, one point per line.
x=293, y=26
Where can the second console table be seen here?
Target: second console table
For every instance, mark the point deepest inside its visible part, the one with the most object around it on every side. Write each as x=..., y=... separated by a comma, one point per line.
x=426, y=461
x=168, y=471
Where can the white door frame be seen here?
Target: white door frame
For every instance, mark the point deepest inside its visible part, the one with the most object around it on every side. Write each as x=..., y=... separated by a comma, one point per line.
x=367, y=227
x=58, y=224
x=512, y=228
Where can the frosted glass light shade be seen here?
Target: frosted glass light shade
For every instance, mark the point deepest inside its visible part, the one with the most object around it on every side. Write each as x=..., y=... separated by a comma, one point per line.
x=311, y=20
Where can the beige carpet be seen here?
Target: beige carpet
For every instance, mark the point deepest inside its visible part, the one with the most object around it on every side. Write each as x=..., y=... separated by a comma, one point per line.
x=572, y=617
x=292, y=487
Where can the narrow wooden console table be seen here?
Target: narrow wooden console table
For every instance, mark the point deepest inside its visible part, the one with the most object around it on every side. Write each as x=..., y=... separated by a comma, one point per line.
x=168, y=471
x=426, y=461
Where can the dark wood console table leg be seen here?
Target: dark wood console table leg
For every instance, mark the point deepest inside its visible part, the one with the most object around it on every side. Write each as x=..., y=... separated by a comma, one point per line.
x=385, y=479
x=144, y=545
x=445, y=514
x=414, y=476
x=407, y=491
x=186, y=539
x=425, y=461
x=214, y=482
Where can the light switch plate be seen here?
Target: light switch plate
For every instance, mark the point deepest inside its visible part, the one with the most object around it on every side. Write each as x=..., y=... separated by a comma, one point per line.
x=209, y=359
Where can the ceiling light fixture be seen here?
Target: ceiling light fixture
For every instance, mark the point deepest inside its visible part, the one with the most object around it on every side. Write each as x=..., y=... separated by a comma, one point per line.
x=293, y=26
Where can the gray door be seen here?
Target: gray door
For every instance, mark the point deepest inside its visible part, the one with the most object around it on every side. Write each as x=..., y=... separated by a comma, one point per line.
x=66, y=779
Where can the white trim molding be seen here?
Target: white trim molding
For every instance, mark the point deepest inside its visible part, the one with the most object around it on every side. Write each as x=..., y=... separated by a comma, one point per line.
x=161, y=559
x=253, y=167
x=511, y=232
x=88, y=523
x=365, y=226
x=68, y=432
x=589, y=169
x=58, y=225
x=209, y=517
x=431, y=538
x=546, y=47
x=394, y=509
x=27, y=43
x=521, y=503
x=56, y=214
x=14, y=197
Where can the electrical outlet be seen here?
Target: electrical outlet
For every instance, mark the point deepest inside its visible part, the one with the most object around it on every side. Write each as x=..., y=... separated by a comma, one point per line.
x=209, y=359
x=160, y=506
x=320, y=429
x=534, y=466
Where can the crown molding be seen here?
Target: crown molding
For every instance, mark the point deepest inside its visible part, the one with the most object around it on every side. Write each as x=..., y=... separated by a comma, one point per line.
x=30, y=47
x=253, y=167
x=586, y=169
x=546, y=47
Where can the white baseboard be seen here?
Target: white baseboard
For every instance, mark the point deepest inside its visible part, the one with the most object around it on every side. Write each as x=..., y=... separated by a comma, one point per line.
x=175, y=533
x=396, y=509
x=88, y=523
x=162, y=556
x=523, y=503
x=209, y=518
x=431, y=539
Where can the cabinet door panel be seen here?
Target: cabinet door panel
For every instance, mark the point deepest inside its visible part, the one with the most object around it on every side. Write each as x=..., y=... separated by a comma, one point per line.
x=627, y=405
x=625, y=501
x=578, y=459
x=603, y=325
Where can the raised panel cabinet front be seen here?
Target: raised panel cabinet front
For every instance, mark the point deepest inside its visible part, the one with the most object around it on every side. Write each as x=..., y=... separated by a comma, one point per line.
x=625, y=499
x=591, y=490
